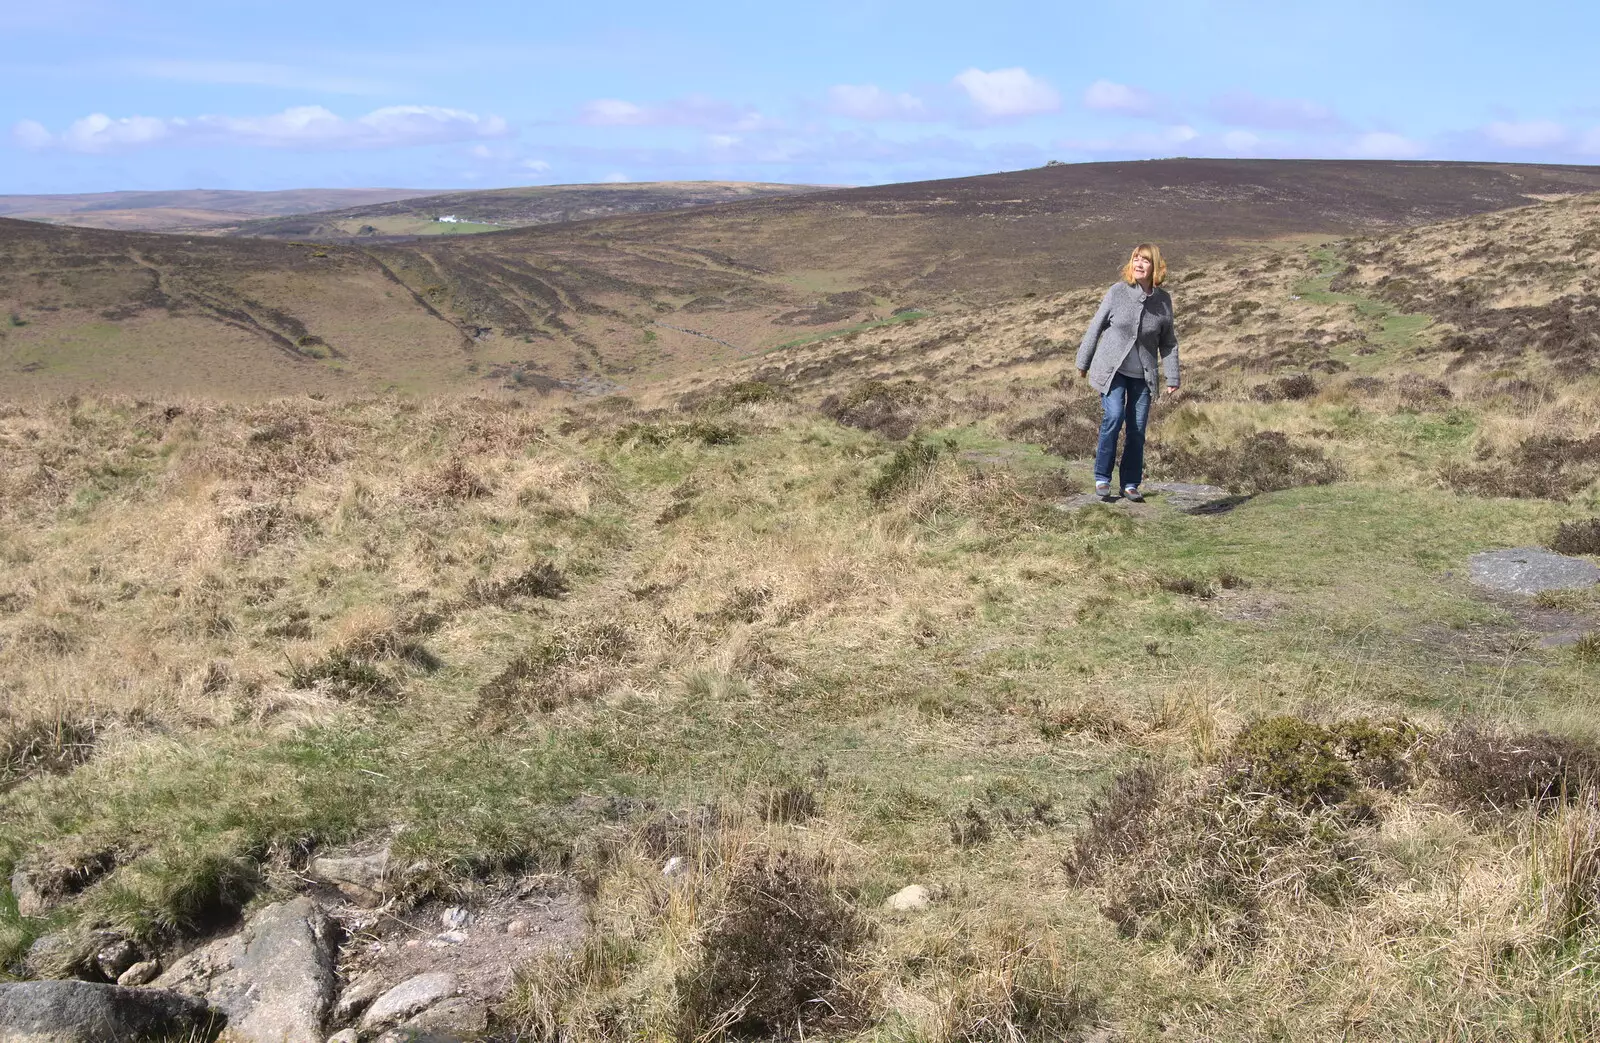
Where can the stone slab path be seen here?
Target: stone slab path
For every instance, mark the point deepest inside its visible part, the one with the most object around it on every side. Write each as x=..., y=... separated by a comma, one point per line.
x=1530, y=570
x=1185, y=497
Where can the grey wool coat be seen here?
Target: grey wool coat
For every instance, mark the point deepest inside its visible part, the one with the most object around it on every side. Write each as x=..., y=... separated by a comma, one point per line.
x=1128, y=320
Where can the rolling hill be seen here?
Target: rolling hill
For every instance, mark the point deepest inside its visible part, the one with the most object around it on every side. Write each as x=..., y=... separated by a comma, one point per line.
x=626, y=300
x=508, y=208
x=192, y=211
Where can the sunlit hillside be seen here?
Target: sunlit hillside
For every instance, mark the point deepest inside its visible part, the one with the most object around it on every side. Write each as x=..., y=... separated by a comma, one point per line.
x=835, y=620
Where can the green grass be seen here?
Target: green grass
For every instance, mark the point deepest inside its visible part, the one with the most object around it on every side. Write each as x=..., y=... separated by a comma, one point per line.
x=1391, y=329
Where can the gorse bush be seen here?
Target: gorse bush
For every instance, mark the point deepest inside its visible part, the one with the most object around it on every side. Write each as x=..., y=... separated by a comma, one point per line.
x=657, y=435
x=910, y=464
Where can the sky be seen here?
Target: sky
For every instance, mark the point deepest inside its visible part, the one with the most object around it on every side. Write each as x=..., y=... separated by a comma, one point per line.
x=101, y=95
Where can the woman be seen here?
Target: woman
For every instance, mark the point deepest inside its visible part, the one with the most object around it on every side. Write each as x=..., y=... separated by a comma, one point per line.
x=1129, y=346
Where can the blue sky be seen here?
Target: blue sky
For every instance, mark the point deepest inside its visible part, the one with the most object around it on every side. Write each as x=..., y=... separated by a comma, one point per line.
x=97, y=95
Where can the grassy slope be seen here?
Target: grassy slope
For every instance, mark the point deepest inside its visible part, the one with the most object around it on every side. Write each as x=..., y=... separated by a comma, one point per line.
x=745, y=617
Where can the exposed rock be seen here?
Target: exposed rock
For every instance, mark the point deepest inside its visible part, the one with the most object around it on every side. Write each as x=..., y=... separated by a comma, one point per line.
x=1530, y=570
x=31, y=900
x=1185, y=497
x=357, y=996
x=410, y=997
x=517, y=928
x=450, y=937
x=116, y=956
x=345, y=1036
x=191, y=975
x=911, y=899
x=1192, y=497
x=460, y=1016
x=141, y=973
x=86, y=1012
x=455, y=918
x=358, y=877
x=404, y=1035
x=274, y=980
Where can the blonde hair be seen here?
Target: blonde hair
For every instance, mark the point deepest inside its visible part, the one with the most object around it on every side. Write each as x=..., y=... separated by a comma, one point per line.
x=1158, y=267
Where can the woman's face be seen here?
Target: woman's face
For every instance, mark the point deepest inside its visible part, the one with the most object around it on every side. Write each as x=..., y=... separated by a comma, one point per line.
x=1141, y=267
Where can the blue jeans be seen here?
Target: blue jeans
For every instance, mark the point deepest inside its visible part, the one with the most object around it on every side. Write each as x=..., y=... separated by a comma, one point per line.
x=1126, y=402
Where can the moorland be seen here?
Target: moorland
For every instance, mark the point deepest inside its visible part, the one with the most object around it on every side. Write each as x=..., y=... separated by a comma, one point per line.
x=829, y=620
x=194, y=211
x=494, y=209
x=632, y=299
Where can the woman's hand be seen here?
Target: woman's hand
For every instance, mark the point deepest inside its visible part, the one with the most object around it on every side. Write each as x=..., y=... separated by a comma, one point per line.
x=1172, y=389
x=1083, y=374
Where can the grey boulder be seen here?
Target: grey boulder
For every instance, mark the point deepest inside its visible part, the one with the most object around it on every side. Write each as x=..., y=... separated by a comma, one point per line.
x=412, y=996
x=274, y=980
x=459, y=1016
x=87, y=1012
x=358, y=877
x=1530, y=570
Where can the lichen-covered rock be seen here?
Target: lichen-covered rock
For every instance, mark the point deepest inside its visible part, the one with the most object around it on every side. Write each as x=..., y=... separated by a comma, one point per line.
x=274, y=979
x=410, y=997
x=357, y=996
x=913, y=898
x=358, y=877
x=88, y=1012
x=460, y=1017
x=1530, y=570
x=141, y=973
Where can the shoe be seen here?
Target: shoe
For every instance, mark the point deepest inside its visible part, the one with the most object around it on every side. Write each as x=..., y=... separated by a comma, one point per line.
x=1133, y=494
x=1102, y=490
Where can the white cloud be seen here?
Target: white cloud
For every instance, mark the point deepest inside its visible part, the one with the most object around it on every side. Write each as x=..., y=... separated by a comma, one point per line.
x=1384, y=145
x=871, y=102
x=536, y=165
x=1105, y=96
x=693, y=111
x=31, y=134
x=1534, y=134
x=1008, y=92
x=613, y=112
x=722, y=142
x=1244, y=109
x=617, y=178
x=302, y=127
x=101, y=133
